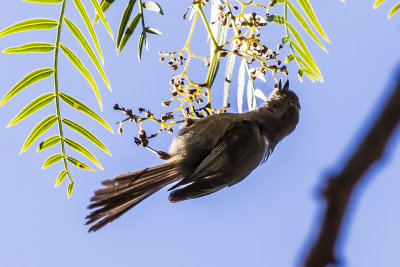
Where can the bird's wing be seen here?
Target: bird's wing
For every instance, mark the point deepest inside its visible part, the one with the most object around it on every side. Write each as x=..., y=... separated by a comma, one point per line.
x=212, y=173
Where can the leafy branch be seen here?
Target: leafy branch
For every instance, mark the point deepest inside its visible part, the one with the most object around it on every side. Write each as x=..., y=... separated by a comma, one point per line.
x=124, y=32
x=57, y=96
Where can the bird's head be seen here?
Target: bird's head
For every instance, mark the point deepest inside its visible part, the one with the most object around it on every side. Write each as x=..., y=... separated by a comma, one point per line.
x=283, y=98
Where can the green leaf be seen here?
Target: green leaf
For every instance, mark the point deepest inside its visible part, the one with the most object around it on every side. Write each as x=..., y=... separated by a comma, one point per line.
x=52, y=160
x=42, y=127
x=213, y=70
x=304, y=23
x=131, y=28
x=230, y=64
x=105, y=4
x=393, y=10
x=307, y=68
x=140, y=46
x=80, y=129
x=31, y=48
x=70, y=189
x=28, y=25
x=241, y=81
x=79, y=164
x=289, y=58
x=61, y=177
x=124, y=21
x=89, y=26
x=303, y=46
x=78, y=105
x=32, y=107
x=85, y=45
x=79, y=65
x=276, y=19
x=153, y=31
x=153, y=6
x=310, y=62
x=102, y=17
x=49, y=142
x=378, y=3
x=29, y=79
x=79, y=148
x=44, y=1
x=306, y=6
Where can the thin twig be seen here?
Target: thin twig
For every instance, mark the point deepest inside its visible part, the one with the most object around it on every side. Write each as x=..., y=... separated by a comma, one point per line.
x=340, y=188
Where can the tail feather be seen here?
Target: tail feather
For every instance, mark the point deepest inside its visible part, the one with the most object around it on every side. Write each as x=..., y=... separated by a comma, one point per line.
x=125, y=191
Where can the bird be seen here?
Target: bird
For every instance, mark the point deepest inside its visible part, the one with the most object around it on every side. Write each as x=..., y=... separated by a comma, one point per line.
x=207, y=155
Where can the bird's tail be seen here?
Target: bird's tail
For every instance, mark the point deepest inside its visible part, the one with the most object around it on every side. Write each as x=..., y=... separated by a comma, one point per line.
x=125, y=191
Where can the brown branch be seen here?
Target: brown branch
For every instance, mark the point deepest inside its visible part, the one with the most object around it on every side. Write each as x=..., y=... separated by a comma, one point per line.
x=340, y=188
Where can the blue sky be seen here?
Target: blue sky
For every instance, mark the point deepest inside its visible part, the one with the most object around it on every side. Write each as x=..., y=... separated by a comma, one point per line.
x=266, y=220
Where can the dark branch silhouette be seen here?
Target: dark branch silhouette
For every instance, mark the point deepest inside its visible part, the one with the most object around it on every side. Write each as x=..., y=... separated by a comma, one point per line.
x=340, y=188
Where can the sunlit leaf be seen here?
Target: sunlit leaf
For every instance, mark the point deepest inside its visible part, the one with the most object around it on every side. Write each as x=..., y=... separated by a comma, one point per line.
x=84, y=43
x=79, y=65
x=39, y=129
x=303, y=23
x=131, y=28
x=32, y=107
x=89, y=26
x=251, y=96
x=378, y=3
x=260, y=94
x=153, y=6
x=44, y=1
x=80, y=129
x=76, y=104
x=153, y=31
x=241, y=81
x=228, y=73
x=31, y=48
x=81, y=149
x=124, y=20
x=394, y=10
x=70, y=189
x=29, y=79
x=140, y=46
x=104, y=4
x=52, y=160
x=215, y=61
x=310, y=62
x=79, y=164
x=304, y=47
x=102, y=17
x=49, y=142
x=306, y=6
x=61, y=177
x=28, y=25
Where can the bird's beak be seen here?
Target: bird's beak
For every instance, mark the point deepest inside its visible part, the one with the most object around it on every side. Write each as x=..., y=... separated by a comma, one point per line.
x=286, y=86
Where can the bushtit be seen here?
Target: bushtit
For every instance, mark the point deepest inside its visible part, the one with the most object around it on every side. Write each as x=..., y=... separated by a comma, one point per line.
x=207, y=155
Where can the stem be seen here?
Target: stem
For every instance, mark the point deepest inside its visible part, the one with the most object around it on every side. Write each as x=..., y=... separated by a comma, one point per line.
x=141, y=14
x=60, y=129
x=207, y=27
x=191, y=30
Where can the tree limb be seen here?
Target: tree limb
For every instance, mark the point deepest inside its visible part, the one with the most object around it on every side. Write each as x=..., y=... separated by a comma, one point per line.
x=341, y=187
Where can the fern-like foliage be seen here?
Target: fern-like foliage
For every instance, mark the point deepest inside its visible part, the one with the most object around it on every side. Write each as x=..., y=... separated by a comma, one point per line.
x=392, y=11
x=125, y=31
x=57, y=96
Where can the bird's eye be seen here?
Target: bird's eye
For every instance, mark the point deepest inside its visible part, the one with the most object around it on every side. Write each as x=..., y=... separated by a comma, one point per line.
x=291, y=101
